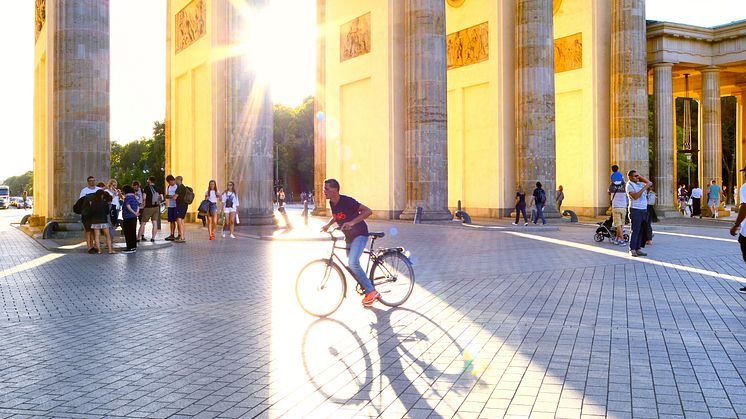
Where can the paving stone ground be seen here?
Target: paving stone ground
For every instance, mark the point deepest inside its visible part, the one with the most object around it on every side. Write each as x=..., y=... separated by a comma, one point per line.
x=501, y=324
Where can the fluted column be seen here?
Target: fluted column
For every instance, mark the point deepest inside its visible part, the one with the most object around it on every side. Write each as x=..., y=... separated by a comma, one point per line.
x=425, y=87
x=249, y=136
x=81, y=99
x=534, y=98
x=712, y=146
x=319, y=110
x=664, y=145
x=629, y=99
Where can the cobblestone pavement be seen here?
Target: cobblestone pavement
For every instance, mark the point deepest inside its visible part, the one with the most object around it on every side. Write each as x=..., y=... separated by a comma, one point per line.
x=501, y=323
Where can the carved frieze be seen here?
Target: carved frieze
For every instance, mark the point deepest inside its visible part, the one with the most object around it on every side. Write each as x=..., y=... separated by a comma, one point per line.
x=354, y=38
x=41, y=15
x=468, y=46
x=568, y=53
x=190, y=24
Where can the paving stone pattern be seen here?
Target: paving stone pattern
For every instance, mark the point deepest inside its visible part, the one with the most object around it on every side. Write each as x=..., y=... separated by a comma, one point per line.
x=498, y=326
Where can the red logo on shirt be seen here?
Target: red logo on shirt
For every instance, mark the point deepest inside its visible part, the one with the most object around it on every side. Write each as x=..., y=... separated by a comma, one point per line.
x=340, y=216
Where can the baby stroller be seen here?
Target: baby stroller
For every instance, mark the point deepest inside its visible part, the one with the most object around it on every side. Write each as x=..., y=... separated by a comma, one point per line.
x=605, y=230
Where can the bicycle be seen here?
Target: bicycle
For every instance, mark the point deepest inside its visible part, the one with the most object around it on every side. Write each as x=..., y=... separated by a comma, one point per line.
x=321, y=287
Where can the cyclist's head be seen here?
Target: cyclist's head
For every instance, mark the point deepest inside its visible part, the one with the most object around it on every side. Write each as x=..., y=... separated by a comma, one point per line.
x=331, y=188
x=332, y=183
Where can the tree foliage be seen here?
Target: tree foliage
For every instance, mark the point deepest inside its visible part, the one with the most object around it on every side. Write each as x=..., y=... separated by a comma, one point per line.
x=19, y=184
x=293, y=136
x=139, y=159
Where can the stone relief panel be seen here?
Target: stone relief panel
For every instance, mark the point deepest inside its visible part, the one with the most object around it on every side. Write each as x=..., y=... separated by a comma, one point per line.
x=41, y=15
x=190, y=24
x=354, y=38
x=468, y=46
x=568, y=53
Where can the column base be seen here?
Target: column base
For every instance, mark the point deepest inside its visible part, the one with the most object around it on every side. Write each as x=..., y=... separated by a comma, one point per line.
x=256, y=217
x=668, y=212
x=427, y=215
x=319, y=212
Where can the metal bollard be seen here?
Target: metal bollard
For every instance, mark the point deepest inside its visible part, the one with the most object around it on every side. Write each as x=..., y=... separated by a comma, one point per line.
x=417, y=215
x=305, y=212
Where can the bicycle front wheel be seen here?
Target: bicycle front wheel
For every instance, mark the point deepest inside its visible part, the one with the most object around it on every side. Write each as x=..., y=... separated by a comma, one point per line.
x=393, y=277
x=320, y=287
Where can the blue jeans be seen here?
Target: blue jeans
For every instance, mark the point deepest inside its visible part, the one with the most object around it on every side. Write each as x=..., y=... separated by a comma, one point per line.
x=520, y=209
x=636, y=216
x=354, y=251
x=540, y=214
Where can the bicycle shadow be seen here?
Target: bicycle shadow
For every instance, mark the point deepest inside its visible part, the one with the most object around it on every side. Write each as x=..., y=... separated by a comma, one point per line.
x=403, y=357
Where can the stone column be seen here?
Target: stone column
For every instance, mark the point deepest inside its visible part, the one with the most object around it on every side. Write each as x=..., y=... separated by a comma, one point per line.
x=81, y=100
x=712, y=147
x=629, y=98
x=534, y=98
x=319, y=110
x=664, y=137
x=249, y=136
x=425, y=87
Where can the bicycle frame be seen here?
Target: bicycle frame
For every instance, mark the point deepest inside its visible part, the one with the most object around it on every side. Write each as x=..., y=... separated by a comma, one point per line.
x=368, y=250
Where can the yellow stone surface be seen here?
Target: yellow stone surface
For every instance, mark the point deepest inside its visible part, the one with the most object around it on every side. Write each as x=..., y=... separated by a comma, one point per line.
x=582, y=108
x=195, y=74
x=43, y=147
x=365, y=106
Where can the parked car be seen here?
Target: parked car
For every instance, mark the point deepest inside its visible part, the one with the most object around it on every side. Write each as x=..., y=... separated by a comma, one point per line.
x=4, y=196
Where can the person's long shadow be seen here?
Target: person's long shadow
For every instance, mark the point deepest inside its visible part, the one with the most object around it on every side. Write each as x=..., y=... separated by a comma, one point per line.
x=348, y=367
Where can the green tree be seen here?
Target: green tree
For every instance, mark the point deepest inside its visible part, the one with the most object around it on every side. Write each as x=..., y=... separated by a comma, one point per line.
x=293, y=136
x=139, y=159
x=19, y=184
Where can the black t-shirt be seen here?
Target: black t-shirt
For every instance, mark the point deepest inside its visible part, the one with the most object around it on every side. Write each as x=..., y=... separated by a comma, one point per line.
x=346, y=210
x=99, y=211
x=521, y=198
x=148, y=192
x=537, y=196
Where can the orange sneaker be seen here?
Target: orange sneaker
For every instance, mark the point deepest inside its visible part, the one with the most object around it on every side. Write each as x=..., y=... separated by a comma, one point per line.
x=370, y=298
x=212, y=237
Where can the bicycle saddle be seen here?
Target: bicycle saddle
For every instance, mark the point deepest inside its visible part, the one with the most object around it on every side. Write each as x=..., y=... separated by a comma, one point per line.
x=377, y=235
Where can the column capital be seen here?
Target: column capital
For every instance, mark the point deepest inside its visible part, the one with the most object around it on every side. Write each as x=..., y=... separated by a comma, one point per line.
x=710, y=69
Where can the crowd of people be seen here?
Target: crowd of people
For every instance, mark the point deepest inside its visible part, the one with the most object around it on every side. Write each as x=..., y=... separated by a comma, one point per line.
x=101, y=204
x=690, y=199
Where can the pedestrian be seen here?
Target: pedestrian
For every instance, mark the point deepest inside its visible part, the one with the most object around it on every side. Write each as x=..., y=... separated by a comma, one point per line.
x=100, y=214
x=696, y=198
x=281, y=197
x=714, y=196
x=682, y=196
x=559, y=198
x=212, y=195
x=89, y=189
x=181, y=208
x=116, y=195
x=170, y=192
x=652, y=198
x=739, y=228
x=619, y=204
x=151, y=210
x=539, y=199
x=130, y=213
x=636, y=189
x=520, y=206
x=230, y=207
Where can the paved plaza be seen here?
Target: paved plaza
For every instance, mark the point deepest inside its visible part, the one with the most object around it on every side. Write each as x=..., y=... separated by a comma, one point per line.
x=501, y=323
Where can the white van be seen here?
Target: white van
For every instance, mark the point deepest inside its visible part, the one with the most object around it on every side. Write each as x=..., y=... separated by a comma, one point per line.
x=4, y=197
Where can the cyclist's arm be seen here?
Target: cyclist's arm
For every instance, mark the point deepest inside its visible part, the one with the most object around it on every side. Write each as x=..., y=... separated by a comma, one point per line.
x=363, y=213
x=327, y=225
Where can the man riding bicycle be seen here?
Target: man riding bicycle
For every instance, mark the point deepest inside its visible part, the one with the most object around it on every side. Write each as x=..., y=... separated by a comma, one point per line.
x=350, y=216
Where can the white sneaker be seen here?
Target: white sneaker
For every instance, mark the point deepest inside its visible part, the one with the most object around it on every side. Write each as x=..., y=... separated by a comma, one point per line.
x=223, y=235
x=515, y=224
x=232, y=236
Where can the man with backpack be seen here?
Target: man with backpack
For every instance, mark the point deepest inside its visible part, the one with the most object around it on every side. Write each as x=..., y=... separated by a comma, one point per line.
x=618, y=209
x=182, y=203
x=539, y=199
x=152, y=198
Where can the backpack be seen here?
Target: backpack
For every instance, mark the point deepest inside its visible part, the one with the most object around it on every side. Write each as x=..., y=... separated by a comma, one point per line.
x=82, y=203
x=188, y=195
x=542, y=198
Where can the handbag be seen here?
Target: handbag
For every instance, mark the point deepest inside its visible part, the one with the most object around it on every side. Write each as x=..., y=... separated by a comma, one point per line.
x=690, y=202
x=204, y=207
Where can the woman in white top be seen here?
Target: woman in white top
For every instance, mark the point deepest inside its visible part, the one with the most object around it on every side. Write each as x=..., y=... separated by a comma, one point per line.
x=230, y=205
x=212, y=195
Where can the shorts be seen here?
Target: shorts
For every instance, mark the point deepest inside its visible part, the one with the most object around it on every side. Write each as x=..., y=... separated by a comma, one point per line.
x=100, y=226
x=618, y=215
x=171, y=214
x=181, y=211
x=229, y=210
x=713, y=203
x=149, y=214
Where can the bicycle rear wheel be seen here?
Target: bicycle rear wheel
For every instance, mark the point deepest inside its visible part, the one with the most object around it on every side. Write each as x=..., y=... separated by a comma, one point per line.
x=320, y=287
x=393, y=277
